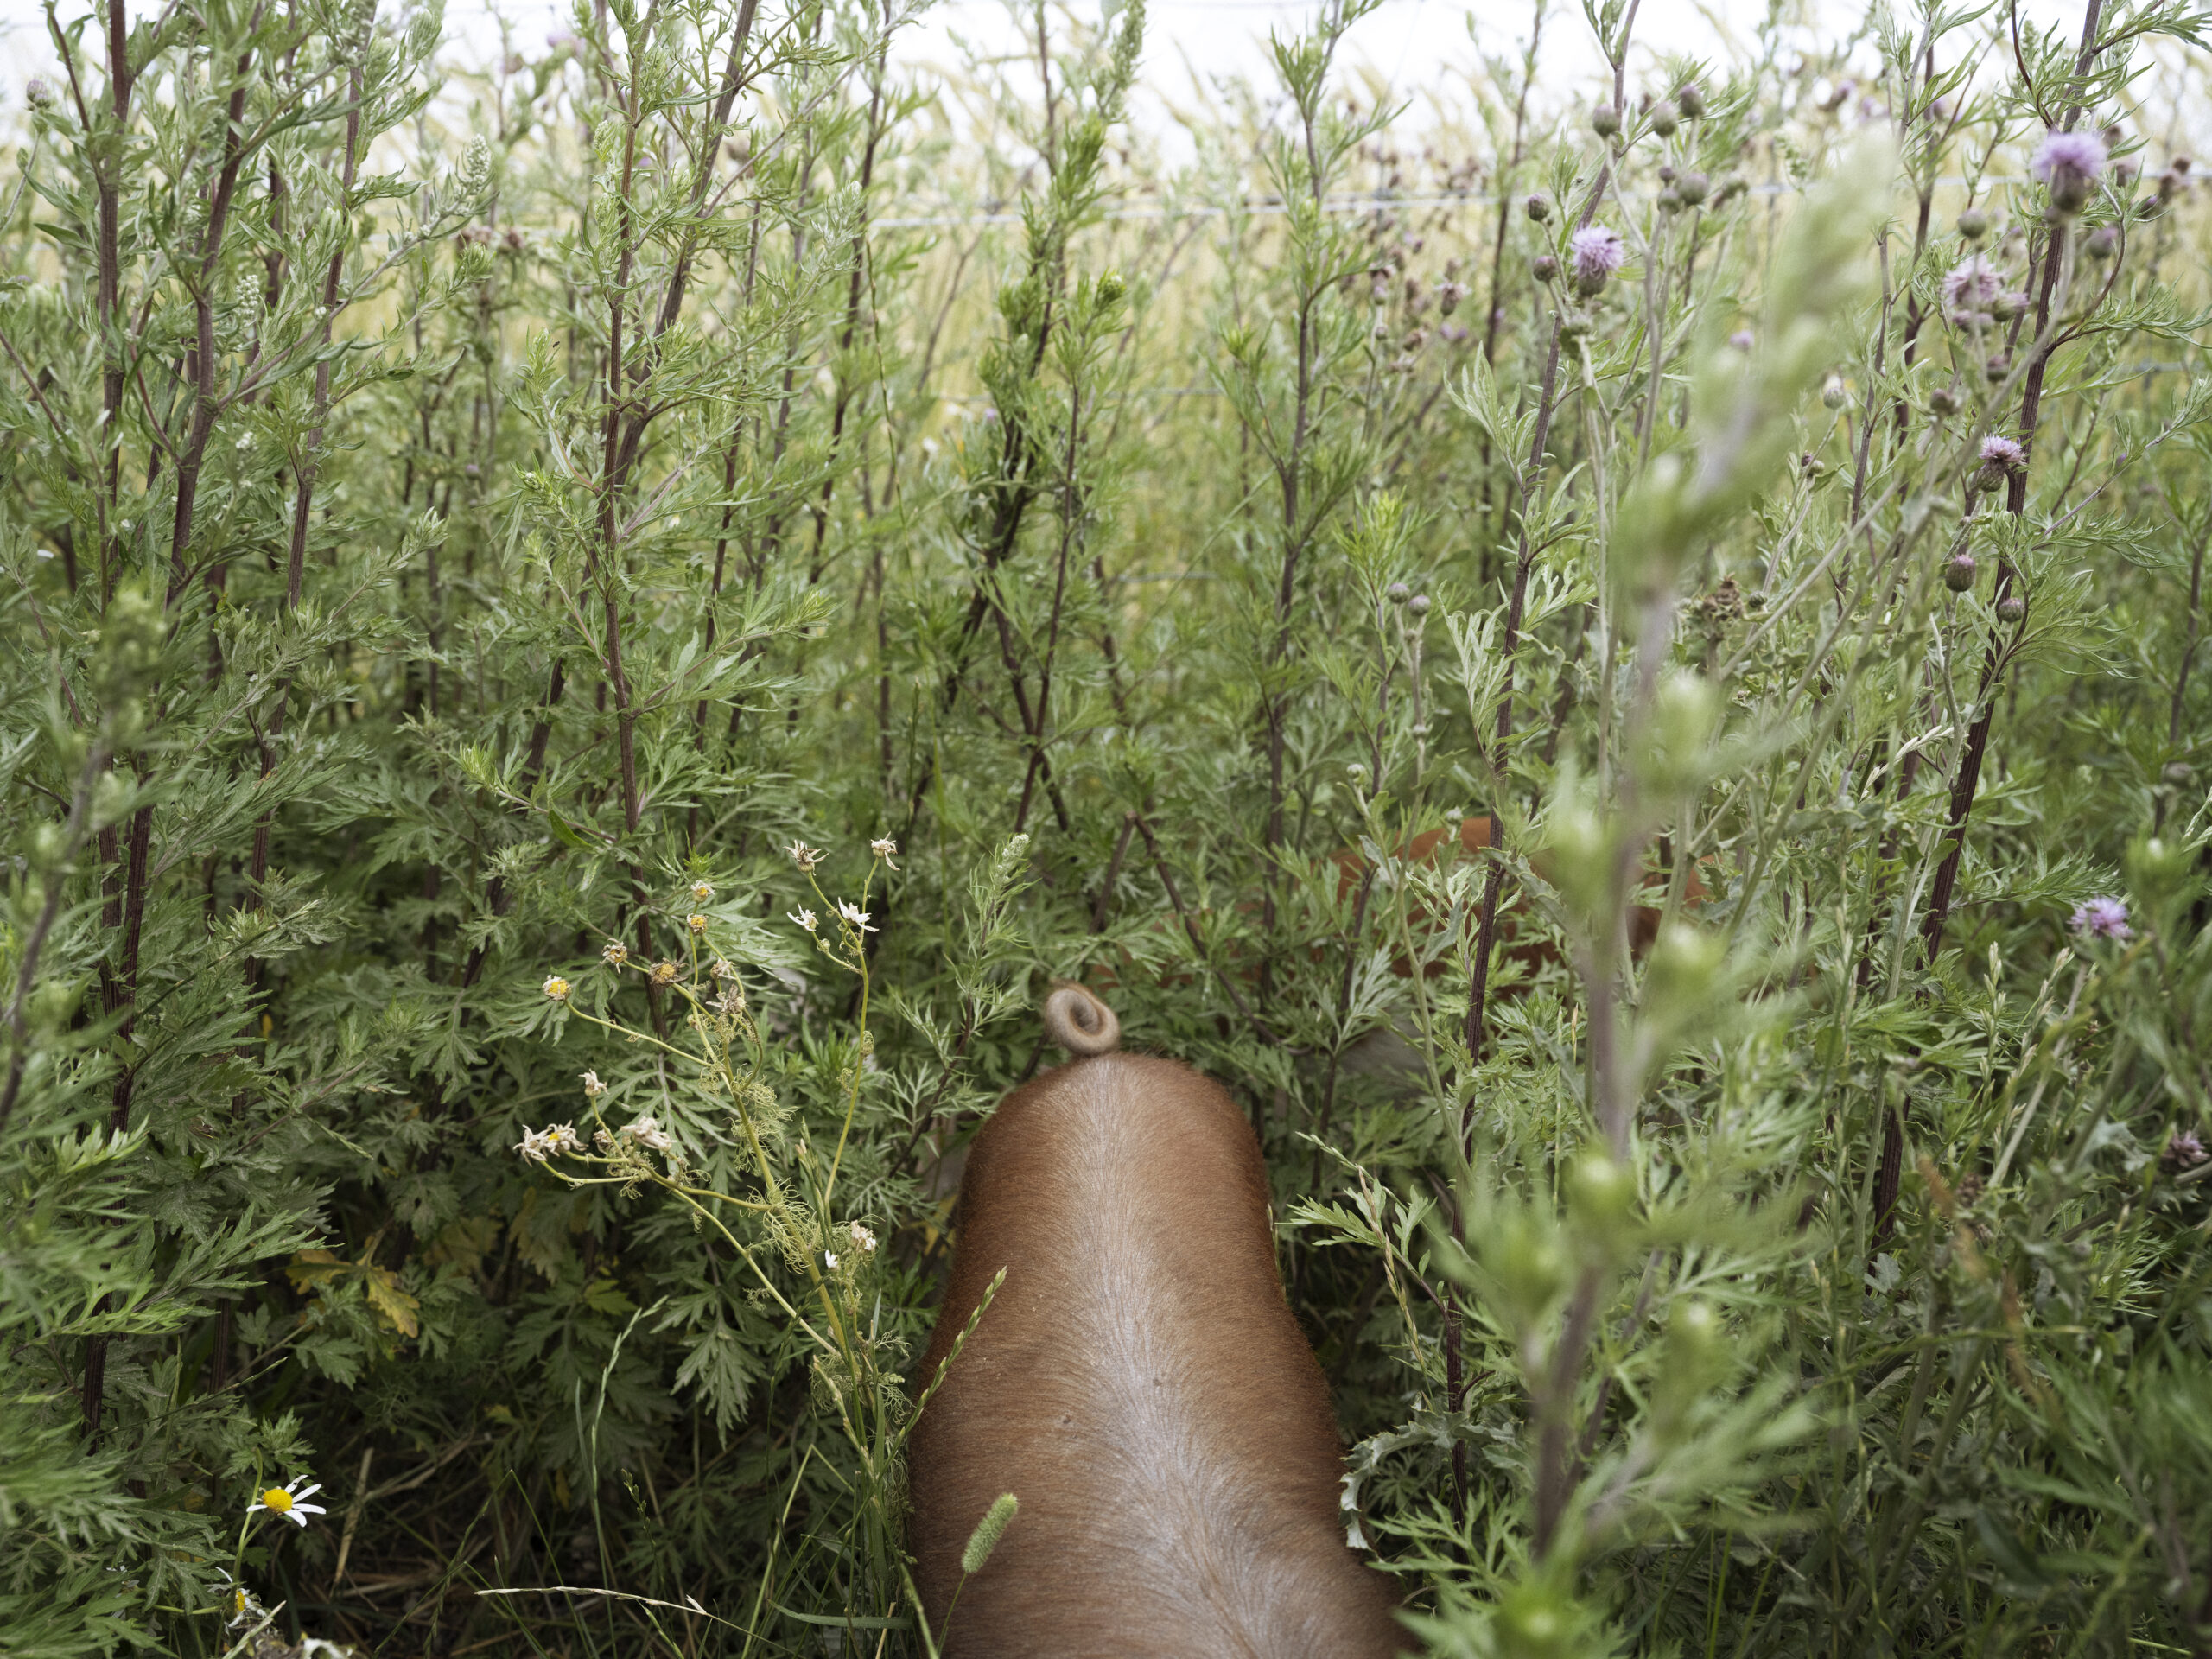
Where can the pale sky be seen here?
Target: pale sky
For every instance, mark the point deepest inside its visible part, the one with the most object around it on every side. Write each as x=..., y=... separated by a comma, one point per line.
x=1419, y=45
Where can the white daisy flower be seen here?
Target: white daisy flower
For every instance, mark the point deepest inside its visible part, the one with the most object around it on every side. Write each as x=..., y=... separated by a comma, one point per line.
x=289, y=1502
x=806, y=919
x=884, y=849
x=534, y=1146
x=556, y=987
x=702, y=891
x=863, y=1238
x=855, y=918
x=830, y=1256
x=593, y=1087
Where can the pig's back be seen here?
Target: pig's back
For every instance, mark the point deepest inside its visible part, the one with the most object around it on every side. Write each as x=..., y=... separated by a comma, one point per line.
x=1140, y=1385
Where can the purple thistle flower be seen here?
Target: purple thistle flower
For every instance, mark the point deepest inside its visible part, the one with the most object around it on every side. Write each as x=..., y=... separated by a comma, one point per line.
x=2068, y=163
x=2003, y=452
x=1741, y=339
x=38, y=91
x=2184, y=1151
x=1596, y=253
x=1972, y=284
x=2103, y=919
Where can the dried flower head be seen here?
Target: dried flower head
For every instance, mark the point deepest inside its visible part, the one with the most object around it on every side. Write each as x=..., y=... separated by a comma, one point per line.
x=855, y=917
x=2102, y=918
x=1596, y=253
x=702, y=891
x=697, y=924
x=805, y=856
x=723, y=969
x=593, y=1087
x=615, y=954
x=646, y=1132
x=665, y=973
x=2068, y=163
x=2184, y=1150
x=806, y=919
x=884, y=849
x=863, y=1239
x=556, y=987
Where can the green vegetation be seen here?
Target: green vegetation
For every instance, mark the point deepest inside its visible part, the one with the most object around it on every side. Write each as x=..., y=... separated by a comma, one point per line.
x=465, y=541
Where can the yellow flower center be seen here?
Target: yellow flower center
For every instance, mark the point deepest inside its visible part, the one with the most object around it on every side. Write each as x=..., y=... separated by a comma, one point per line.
x=276, y=1498
x=237, y=1601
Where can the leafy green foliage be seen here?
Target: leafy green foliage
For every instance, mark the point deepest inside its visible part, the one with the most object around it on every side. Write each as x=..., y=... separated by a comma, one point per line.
x=583, y=640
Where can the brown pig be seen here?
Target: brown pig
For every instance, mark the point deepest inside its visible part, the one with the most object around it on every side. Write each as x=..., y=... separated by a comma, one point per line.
x=1138, y=1384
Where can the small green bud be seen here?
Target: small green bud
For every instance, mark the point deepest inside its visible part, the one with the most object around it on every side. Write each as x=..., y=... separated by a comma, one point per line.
x=1690, y=100
x=1601, y=1189
x=1604, y=120
x=1665, y=117
x=1973, y=224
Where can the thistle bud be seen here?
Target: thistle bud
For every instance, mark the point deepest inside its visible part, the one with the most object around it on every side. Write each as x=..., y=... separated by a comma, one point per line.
x=1693, y=188
x=1544, y=266
x=2103, y=243
x=1973, y=224
x=1665, y=117
x=1418, y=604
x=1398, y=593
x=1832, y=393
x=1690, y=100
x=1538, y=205
x=1604, y=120
x=1944, y=400
x=2007, y=306
x=1958, y=572
x=2010, y=609
x=2000, y=365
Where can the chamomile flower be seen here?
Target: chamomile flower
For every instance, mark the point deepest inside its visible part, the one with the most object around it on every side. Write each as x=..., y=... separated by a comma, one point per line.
x=616, y=953
x=556, y=987
x=534, y=1146
x=805, y=856
x=696, y=923
x=855, y=918
x=289, y=1502
x=805, y=918
x=884, y=849
x=665, y=973
x=702, y=891
x=593, y=1087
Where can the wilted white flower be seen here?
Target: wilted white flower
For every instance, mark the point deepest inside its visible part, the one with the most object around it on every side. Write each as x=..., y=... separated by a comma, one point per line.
x=616, y=953
x=830, y=1256
x=805, y=856
x=289, y=1502
x=884, y=849
x=702, y=891
x=593, y=1087
x=863, y=1239
x=556, y=987
x=647, y=1133
x=855, y=918
x=806, y=919
x=722, y=969
x=696, y=923
x=665, y=973
x=534, y=1146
